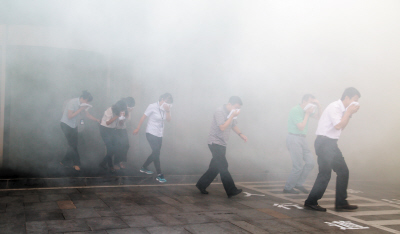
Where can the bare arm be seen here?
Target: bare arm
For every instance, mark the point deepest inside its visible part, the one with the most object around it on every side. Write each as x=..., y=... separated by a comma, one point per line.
x=227, y=123
x=139, y=125
x=319, y=112
x=303, y=124
x=72, y=114
x=237, y=130
x=112, y=120
x=346, y=117
x=168, y=113
x=92, y=117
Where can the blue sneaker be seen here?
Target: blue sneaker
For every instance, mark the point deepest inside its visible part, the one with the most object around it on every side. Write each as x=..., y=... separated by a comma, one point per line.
x=146, y=171
x=160, y=178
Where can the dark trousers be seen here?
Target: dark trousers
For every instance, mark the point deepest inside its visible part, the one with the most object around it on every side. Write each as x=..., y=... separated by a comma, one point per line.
x=155, y=144
x=329, y=158
x=72, y=137
x=122, y=145
x=109, y=137
x=219, y=165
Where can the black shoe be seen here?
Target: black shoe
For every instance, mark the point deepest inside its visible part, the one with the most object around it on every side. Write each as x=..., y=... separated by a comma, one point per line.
x=202, y=190
x=235, y=193
x=347, y=207
x=292, y=191
x=314, y=207
x=302, y=189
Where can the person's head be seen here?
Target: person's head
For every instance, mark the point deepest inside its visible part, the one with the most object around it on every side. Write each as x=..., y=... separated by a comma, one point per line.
x=234, y=103
x=350, y=95
x=120, y=106
x=130, y=102
x=167, y=98
x=86, y=97
x=307, y=98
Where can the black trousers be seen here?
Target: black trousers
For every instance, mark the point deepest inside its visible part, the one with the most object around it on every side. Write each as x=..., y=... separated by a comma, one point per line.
x=329, y=158
x=72, y=137
x=219, y=165
x=122, y=145
x=155, y=144
x=109, y=137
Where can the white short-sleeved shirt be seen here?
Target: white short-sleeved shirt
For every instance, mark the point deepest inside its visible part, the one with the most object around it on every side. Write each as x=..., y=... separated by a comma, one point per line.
x=155, y=123
x=331, y=116
x=108, y=114
x=73, y=105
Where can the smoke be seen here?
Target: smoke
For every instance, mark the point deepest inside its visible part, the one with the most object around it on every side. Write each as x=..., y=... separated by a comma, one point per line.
x=270, y=53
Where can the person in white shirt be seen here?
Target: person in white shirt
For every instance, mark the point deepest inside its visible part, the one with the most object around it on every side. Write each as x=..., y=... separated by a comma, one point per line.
x=112, y=128
x=333, y=120
x=157, y=113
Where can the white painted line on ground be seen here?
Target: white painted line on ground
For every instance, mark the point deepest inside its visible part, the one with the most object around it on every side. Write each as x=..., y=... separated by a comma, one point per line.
x=348, y=215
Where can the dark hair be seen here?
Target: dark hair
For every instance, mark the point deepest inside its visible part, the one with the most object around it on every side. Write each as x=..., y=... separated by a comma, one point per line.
x=129, y=101
x=306, y=97
x=350, y=92
x=166, y=96
x=119, y=106
x=86, y=95
x=235, y=100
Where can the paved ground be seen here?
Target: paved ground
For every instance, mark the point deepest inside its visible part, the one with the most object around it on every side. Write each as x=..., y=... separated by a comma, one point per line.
x=180, y=208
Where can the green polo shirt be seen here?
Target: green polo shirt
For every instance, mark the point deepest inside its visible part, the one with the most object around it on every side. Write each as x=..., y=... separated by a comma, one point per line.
x=296, y=116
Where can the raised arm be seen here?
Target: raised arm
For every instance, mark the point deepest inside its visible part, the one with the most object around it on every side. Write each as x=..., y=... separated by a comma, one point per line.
x=72, y=114
x=167, y=113
x=346, y=117
x=303, y=124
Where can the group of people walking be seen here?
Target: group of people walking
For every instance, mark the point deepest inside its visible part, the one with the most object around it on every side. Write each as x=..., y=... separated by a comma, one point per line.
x=113, y=130
x=332, y=121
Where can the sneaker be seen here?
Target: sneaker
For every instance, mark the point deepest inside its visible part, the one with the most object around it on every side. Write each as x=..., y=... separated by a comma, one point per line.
x=302, y=189
x=145, y=171
x=160, y=178
x=292, y=191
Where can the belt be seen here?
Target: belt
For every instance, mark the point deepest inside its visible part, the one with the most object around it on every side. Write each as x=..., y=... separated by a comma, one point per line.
x=300, y=135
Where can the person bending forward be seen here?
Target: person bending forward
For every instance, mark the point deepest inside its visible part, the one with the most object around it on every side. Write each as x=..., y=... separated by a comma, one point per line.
x=333, y=120
x=224, y=120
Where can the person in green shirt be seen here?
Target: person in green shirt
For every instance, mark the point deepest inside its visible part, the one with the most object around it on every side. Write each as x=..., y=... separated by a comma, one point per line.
x=297, y=144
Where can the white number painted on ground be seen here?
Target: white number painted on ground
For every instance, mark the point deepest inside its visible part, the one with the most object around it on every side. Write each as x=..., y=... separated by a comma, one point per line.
x=286, y=206
x=393, y=201
x=344, y=225
x=353, y=191
x=249, y=194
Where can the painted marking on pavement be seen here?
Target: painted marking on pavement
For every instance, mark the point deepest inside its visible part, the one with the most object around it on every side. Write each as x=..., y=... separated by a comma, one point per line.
x=353, y=216
x=344, y=225
x=286, y=206
x=250, y=194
